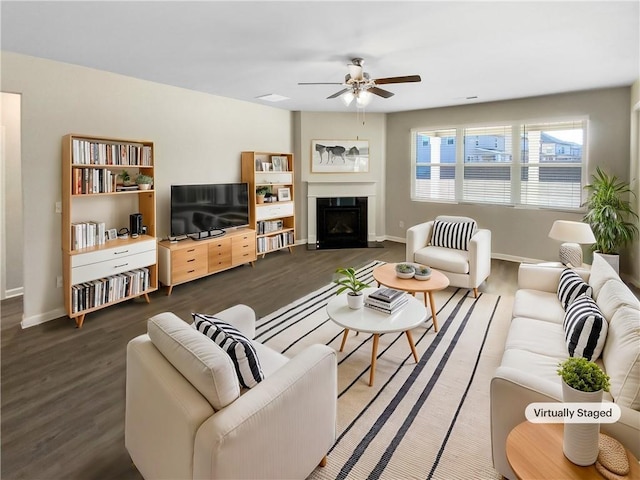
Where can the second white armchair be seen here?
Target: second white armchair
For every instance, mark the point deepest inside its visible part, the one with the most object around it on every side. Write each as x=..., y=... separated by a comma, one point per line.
x=453, y=245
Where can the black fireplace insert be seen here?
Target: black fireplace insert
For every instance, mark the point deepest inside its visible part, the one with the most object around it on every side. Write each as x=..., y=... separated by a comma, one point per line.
x=341, y=222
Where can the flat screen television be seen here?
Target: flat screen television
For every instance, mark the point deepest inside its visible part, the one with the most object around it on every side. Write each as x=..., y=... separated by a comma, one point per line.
x=210, y=207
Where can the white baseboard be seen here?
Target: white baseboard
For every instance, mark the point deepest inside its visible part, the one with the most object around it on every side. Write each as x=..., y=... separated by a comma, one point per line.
x=42, y=318
x=13, y=292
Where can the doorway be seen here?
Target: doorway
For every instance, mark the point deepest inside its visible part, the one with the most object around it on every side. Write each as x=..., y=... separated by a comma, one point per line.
x=11, y=216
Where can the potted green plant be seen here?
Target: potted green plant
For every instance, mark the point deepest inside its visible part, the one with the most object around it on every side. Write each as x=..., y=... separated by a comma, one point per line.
x=261, y=192
x=610, y=214
x=144, y=182
x=582, y=381
x=125, y=177
x=346, y=278
x=422, y=272
x=405, y=270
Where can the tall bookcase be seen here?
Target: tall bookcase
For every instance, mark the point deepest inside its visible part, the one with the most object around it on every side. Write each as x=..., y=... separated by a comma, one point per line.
x=274, y=218
x=99, y=271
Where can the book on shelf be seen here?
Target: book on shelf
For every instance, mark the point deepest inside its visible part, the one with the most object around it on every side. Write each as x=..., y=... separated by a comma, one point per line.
x=127, y=188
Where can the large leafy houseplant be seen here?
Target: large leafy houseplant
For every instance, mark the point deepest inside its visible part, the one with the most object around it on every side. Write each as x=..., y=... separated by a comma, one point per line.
x=609, y=213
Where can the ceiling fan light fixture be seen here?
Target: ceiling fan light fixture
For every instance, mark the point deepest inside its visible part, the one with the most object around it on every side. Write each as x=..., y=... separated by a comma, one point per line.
x=363, y=98
x=355, y=71
x=347, y=98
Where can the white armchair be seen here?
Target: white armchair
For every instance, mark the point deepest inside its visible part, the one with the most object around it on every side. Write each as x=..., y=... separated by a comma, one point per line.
x=464, y=268
x=186, y=416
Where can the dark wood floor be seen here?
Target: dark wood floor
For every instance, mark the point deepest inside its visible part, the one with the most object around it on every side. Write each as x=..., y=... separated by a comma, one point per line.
x=63, y=388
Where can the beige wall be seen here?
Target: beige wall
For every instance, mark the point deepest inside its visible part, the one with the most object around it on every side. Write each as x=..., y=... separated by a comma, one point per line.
x=634, y=178
x=341, y=126
x=198, y=138
x=12, y=249
x=517, y=233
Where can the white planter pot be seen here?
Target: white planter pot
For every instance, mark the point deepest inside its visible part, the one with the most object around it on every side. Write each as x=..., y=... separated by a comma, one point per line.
x=613, y=260
x=355, y=301
x=580, y=440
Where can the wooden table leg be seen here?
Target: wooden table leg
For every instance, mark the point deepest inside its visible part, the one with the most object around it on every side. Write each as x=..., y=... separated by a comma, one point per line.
x=344, y=338
x=432, y=303
x=412, y=345
x=374, y=354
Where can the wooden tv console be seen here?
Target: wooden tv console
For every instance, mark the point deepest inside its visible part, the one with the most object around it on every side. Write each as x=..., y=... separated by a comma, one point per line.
x=186, y=260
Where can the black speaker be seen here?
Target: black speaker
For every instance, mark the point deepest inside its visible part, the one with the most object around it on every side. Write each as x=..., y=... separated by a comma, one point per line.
x=135, y=224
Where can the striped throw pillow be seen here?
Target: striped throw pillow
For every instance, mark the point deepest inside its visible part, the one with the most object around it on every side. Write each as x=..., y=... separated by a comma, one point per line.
x=452, y=234
x=571, y=286
x=585, y=328
x=242, y=352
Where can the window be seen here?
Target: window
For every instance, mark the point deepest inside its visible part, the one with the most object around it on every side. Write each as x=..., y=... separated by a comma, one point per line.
x=480, y=164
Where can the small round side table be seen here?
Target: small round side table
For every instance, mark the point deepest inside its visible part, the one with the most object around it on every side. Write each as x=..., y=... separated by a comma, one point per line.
x=534, y=451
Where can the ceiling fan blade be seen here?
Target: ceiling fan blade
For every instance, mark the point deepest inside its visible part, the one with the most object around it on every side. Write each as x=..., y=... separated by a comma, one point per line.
x=319, y=83
x=337, y=94
x=406, y=79
x=380, y=92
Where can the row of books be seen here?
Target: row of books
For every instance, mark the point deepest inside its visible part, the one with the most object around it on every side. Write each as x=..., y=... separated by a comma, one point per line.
x=87, y=234
x=269, y=226
x=386, y=300
x=86, y=152
x=99, y=292
x=265, y=244
x=92, y=180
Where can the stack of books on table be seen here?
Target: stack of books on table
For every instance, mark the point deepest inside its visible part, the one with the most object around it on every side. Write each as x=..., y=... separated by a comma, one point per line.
x=386, y=300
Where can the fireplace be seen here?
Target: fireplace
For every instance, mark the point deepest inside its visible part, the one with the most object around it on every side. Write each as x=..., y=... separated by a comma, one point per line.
x=341, y=222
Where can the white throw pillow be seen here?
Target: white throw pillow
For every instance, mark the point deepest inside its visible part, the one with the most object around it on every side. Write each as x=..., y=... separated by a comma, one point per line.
x=238, y=347
x=585, y=328
x=207, y=367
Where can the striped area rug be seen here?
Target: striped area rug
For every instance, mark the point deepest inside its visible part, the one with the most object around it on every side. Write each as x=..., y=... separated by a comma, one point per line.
x=428, y=420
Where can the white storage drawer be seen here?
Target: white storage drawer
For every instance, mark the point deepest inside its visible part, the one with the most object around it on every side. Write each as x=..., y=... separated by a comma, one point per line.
x=106, y=254
x=284, y=209
x=93, y=271
x=281, y=178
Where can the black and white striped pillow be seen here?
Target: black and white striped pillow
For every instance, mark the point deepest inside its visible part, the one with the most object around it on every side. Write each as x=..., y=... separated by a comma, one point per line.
x=452, y=234
x=585, y=328
x=571, y=286
x=239, y=347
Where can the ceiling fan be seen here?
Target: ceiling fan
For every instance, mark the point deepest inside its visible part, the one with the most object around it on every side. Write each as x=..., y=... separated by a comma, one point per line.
x=359, y=85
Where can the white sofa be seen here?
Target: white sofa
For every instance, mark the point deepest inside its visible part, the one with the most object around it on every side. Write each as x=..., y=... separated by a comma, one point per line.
x=186, y=416
x=535, y=345
x=464, y=268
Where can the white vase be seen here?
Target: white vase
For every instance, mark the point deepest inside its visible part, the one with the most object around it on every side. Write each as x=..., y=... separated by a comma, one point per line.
x=580, y=440
x=355, y=300
x=144, y=186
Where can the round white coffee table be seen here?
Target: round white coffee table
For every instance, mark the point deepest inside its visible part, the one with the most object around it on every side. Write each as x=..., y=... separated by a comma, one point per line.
x=366, y=320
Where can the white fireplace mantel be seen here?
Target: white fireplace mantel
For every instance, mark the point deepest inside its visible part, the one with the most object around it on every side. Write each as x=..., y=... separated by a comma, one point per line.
x=342, y=189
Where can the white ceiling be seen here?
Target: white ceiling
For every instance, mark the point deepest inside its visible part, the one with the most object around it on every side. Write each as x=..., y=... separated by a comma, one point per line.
x=489, y=50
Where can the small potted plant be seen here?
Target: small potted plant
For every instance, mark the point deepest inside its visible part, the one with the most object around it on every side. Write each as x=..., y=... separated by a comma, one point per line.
x=582, y=381
x=261, y=192
x=144, y=182
x=346, y=278
x=422, y=272
x=405, y=270
x=125, y=178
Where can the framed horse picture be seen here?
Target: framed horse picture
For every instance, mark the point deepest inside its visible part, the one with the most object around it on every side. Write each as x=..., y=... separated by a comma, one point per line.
x=339, y=156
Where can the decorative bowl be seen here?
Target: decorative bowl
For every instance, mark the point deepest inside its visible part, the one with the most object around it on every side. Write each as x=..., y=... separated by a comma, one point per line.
x=405, y=270
x=422, y=272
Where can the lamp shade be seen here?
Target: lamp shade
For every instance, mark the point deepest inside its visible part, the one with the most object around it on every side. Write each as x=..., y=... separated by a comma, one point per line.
x=574, y=232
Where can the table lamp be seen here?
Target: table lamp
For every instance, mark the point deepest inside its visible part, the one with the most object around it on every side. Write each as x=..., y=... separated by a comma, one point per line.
x=573, y=234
